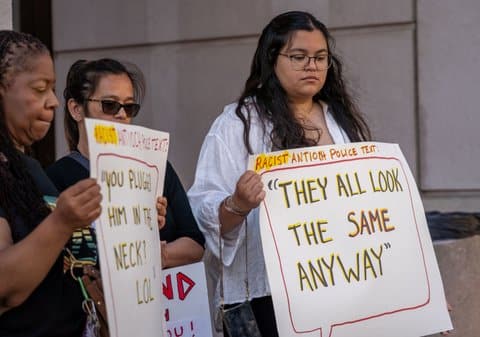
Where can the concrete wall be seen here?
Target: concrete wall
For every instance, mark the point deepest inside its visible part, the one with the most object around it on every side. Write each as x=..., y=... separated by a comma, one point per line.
x=6, y=14
x=412, y=64
x=448, y=72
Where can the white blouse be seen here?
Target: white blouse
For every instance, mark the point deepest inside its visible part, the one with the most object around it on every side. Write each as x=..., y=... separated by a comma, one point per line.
x=223, y=159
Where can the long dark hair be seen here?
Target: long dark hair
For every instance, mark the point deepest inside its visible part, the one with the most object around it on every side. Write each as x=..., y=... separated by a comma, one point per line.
x=264, y=91
x=19, y=195
x=82, y=81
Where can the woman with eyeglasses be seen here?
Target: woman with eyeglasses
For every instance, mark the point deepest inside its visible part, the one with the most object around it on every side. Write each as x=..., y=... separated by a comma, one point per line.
x=110, y=90
x=295, y=96
x=36, y=297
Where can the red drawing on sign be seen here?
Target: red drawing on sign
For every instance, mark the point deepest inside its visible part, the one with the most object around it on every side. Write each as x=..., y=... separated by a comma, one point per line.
x=181, y=280
x=168, y=289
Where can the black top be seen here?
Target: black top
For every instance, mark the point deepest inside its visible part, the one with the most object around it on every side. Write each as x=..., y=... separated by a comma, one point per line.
x=54, y=308
x=180, y=221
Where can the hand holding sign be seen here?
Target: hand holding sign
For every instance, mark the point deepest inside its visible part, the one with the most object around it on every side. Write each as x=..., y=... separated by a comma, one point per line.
x=247, y=195
x=249, y=191
x=79, y=205
x=161, y=211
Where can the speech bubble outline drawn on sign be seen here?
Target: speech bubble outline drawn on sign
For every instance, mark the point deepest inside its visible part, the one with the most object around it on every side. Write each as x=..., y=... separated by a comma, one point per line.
x=423, y=302
x=105, y=156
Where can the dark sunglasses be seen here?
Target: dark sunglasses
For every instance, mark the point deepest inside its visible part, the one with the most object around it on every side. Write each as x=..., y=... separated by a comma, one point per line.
x=110, y=107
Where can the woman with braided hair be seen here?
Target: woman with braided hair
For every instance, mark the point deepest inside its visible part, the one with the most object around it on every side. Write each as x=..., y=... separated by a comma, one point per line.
x=36, y=297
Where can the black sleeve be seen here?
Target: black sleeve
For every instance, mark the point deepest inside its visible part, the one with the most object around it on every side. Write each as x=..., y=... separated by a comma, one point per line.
x=66, y=172
x=180, y=221
x=40, y=178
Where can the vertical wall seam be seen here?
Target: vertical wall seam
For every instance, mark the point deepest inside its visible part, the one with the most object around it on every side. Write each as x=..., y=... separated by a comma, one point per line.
x=416, y=98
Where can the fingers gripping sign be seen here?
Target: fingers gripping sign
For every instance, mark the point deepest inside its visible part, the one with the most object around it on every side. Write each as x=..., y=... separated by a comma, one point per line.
x=79, y=205
x=161, y=211
x=249, y=191
x=248, y=195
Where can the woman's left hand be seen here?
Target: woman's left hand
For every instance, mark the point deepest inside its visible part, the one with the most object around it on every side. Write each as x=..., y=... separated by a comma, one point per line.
x=161, y=211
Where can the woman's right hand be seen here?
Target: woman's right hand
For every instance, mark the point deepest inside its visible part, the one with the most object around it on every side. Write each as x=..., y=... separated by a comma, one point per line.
x=249, y=191
x=79, y=205
x=248, y=195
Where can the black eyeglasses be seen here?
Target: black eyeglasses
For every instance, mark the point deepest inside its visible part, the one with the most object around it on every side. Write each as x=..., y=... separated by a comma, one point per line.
x=111, y=107
x=301, y=61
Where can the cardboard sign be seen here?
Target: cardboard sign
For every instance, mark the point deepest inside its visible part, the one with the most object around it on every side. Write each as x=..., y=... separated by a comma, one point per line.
x=129, y=164
x=346, y=244
x=187, y=311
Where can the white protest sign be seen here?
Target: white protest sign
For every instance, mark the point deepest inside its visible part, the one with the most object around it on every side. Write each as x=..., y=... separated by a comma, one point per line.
x=129, y=164
x=346, y=244
x=187, y=312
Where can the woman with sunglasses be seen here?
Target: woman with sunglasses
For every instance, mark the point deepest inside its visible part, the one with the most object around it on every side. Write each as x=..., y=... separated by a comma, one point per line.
x=294, y=97
x=110, y=90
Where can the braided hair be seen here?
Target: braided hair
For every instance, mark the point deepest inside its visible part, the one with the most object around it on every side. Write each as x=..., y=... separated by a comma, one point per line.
x=19, y=195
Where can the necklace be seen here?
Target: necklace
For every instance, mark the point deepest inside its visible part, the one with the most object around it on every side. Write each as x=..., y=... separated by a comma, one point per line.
x=314, y=125
x=312, y=119
x=304, y=116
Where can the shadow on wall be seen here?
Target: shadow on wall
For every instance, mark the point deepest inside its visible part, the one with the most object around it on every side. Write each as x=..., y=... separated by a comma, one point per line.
x=454, y=225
